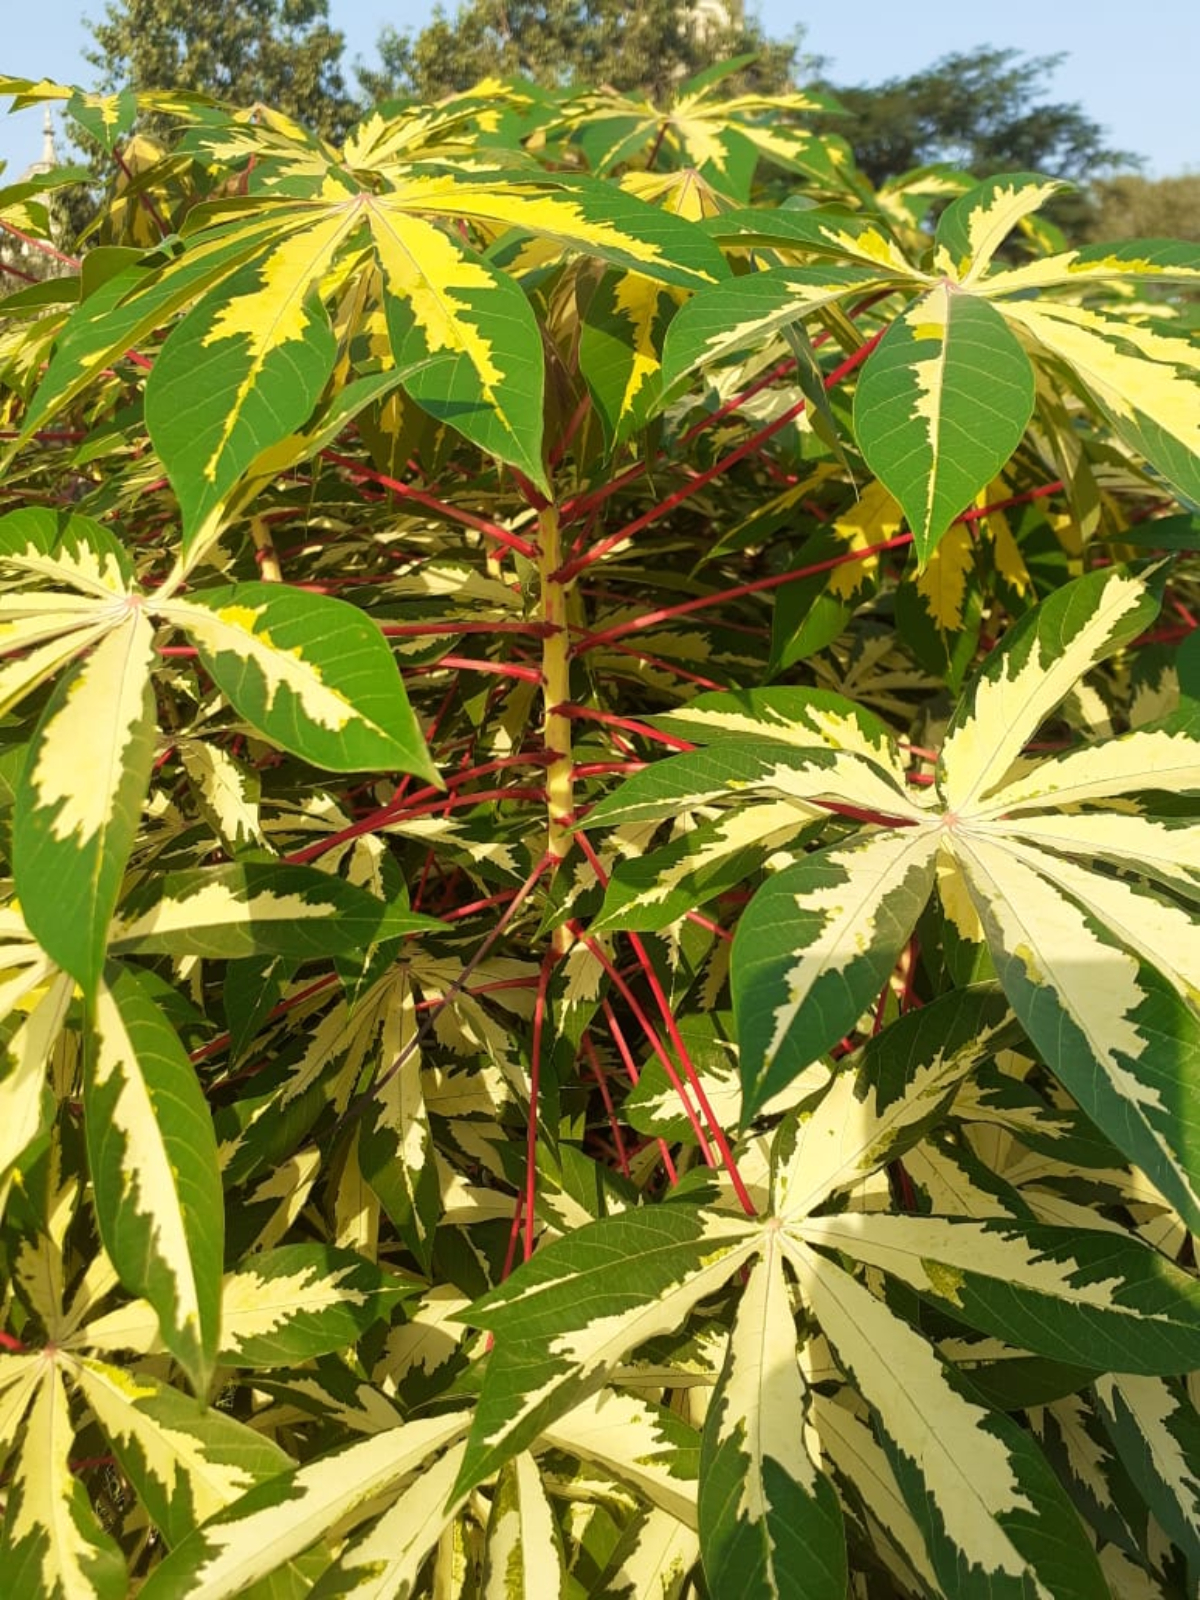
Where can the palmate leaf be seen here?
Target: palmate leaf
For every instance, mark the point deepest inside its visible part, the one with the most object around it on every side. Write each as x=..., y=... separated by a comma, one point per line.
x=770, y=1523
x=1142, y=380
x=1044, y=654
x=153, y=1159
x=994, y=1519
x=643, y=1445
x=567, y=1317
x=794, y=716
x=186, y=1461
x=816, y=944
x=288, y=1305
x=883, y=1098
x=1059, y=1292
x=387, y=1559
x=523, y=1557
x=940, y=407
x=1112, y=1028
x=251, y=908
x=80, y=796
x=243, y=369
x=462, y=331
x=54, y=1547
x=973, y=227
x=736, y=768
x=1156, y=1430
x=311, y=673
x=278, y=1519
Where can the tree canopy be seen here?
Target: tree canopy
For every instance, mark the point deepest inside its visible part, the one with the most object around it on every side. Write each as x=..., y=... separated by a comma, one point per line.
x=281, y=52
x=647, y=46
x=983, y=110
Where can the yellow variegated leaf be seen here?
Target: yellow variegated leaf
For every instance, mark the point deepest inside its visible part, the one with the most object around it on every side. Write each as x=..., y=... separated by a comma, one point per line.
x=280, y=1518
x=1161, y=932
x=1147, y=758
x=858, y=1460
x=1056, y=1291
x=946, y=361
x=386, y=1561
x=71, y=838
x=69, y=550
x=23, y=1088
x=245, y=366
x=767, y=1512
x=312, y=673
x=1045, y=653
x=641, y=1444
x=153, y=1160
x=1167, y=260
x=465, y=329
x=972, y=228
x=656, y=1560
x=54, y=1548
x=882, y=1097
x=654, y=890
x=798, y=717
x=1144, y=380
x=1164, y=850
x=19, y=1379
x=130, y=1327
x=34, y=666
x=524, y=1559
x=227, y=791
x=1097, y=1013
x=588, y=1299
x=187, y=1462
x=816, y=944
x=1157, y=1431
x=995, y=1523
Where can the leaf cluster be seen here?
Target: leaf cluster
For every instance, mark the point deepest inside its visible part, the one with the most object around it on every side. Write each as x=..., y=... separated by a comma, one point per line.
x=600, y=818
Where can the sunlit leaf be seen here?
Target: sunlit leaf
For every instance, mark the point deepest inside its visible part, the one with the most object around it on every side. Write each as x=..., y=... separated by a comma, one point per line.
x=769, y=1518
x=941, y=405
x=153, y=1160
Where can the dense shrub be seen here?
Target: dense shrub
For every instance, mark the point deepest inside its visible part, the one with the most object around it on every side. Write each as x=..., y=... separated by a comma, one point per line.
x=600, y=766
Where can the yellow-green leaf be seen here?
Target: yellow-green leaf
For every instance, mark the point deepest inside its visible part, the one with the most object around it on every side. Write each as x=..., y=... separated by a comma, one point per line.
x=153, y=1159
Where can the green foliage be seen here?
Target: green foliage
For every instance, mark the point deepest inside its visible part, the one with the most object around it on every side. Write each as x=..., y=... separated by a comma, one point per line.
x=600, y=811
x=280, y=52
x=981, y=110
x=648, y=47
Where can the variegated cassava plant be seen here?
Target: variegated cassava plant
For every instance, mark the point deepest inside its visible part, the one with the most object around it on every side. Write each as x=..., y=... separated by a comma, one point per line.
x=600, y=801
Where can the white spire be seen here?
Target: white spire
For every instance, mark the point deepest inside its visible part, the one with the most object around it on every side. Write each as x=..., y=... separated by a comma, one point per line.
x=49, y=157
x=49, y=153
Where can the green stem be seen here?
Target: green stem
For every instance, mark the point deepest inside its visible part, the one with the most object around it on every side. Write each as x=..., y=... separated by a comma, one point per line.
x=556, y=687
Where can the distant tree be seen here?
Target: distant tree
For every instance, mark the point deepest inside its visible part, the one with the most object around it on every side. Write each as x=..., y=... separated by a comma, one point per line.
x=282, y=52
x=645, y=46
x=1130, y=206
x=984, y=111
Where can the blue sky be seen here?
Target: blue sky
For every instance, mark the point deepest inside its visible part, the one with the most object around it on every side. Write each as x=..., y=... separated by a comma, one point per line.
x=1132, y=67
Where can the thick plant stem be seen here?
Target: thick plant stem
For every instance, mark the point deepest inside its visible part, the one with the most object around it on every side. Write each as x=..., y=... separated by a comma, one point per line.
x=556, y=687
